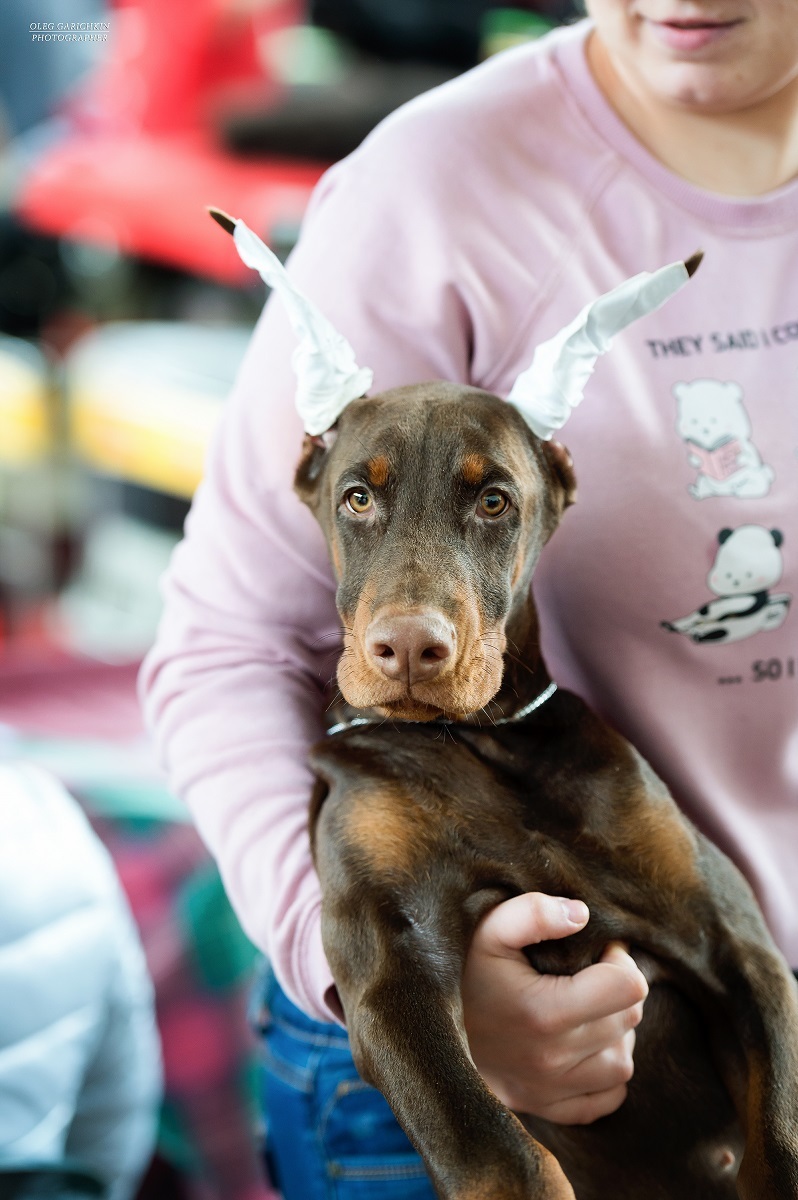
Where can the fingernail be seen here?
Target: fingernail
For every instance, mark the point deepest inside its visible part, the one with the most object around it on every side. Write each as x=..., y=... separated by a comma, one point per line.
x=575, y=911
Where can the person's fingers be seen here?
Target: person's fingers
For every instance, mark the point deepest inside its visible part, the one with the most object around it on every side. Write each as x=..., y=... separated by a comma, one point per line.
x=611, y=985
x=571, y=1002
x=555, y=1046
x=560, y=1052
x=528, y=919
x=608, y=1068
x=582, y=1110
x=616, y=952
x=593, y=1087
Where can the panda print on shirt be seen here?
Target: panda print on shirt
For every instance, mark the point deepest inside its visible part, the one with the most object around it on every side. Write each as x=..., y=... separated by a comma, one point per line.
x=715, y=426
x=747, y=566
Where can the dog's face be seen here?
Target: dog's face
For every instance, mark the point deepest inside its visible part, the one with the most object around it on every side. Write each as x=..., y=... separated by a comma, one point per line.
x=436, y=501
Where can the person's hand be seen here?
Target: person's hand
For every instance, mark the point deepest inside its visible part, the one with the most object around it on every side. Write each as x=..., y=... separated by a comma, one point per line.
x=554, y=1046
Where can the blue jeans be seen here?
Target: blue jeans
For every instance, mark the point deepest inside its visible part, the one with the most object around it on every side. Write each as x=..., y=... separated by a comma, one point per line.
x=329, y=1135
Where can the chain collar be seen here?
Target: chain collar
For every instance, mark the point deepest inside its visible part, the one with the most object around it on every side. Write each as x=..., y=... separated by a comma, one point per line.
x=545, y=695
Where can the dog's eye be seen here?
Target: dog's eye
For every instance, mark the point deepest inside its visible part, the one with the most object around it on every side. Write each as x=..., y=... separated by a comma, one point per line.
x=493, y=504
x=358, y=501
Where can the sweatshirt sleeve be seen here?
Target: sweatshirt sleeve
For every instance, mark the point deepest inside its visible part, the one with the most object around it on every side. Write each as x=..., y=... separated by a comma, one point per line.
x=234, y=687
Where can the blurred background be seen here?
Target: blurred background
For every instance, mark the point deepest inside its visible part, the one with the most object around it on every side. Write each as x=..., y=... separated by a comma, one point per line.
x=123, y=316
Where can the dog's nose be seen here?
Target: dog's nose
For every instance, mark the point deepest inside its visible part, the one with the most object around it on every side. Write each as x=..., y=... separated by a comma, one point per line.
x=410, y=646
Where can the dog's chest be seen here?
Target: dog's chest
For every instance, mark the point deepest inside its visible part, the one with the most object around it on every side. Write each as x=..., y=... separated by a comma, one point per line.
x=410, y=802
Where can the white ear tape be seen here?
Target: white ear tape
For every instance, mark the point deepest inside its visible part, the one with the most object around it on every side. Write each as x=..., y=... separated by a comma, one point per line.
x=553, y=385
x=328, y=377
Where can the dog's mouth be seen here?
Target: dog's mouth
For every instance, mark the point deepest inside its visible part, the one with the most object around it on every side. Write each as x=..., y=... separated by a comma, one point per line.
x=420, y=669
x=410, y=709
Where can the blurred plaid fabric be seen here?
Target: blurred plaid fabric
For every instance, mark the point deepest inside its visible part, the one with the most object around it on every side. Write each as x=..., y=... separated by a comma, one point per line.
x=80, y=720
x=202, y=966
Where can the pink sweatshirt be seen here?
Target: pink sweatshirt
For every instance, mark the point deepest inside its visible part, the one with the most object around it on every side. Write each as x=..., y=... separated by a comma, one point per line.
x=473, y=224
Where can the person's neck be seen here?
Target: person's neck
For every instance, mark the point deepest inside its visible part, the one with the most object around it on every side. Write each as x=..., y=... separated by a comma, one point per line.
x=748, y=153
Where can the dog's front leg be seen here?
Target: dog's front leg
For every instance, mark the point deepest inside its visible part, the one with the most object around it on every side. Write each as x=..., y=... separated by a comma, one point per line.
x=396, y=934
x=405, y=1026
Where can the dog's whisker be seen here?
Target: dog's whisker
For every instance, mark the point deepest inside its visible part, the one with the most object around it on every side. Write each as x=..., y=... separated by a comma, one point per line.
x=520, y=662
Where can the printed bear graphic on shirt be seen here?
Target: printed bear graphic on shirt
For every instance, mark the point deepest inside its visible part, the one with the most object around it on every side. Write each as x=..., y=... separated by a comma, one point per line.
x=714, y=423
x=747, y=565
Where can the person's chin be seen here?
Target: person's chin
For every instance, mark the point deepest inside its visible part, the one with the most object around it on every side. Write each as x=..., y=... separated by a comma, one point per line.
x=695, y=82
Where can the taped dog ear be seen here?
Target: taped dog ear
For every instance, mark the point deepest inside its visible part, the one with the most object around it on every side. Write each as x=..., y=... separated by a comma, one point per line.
x=328, y=377
x=546, y=392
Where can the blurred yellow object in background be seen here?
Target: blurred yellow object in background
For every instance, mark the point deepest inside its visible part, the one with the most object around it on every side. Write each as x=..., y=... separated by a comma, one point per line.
x=25, y=415
x=143, y=398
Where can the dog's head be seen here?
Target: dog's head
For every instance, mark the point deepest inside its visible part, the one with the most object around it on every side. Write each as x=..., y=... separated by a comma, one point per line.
x=435, y=501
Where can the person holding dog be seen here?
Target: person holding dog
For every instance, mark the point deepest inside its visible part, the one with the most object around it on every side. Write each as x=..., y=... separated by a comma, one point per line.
x=471, y=226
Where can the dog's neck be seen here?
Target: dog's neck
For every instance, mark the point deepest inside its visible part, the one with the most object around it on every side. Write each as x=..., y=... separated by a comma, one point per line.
x=526, y=676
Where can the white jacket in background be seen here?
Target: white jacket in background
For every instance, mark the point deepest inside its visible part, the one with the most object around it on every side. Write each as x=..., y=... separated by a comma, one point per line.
x=80, y=1073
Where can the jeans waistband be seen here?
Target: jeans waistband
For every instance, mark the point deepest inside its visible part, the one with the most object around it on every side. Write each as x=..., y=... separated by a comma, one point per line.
x=276, y=1008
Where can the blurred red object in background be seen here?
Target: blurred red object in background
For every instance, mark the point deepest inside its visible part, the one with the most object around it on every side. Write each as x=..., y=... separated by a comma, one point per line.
x=167, y=59
x=142, y=160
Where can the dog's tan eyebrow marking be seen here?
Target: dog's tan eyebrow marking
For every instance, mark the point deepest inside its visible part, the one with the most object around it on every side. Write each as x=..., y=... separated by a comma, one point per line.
x=378, y=470
x=473, y=468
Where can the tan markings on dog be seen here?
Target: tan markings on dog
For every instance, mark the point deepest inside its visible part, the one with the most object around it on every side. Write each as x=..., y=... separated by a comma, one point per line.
x=483, y=667
x=550, y=1181
x=335, y=553
x=378, y=469
x=476, y=674
x=757, y=1081
x=382, y=825
x=473, y=468
x=463, y=688
x=353, y=665
x=518, y=566
x=661, y=846
x=754, y=1160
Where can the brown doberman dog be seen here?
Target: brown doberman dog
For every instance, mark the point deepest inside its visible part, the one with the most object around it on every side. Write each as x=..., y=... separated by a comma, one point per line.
x=460, y=777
